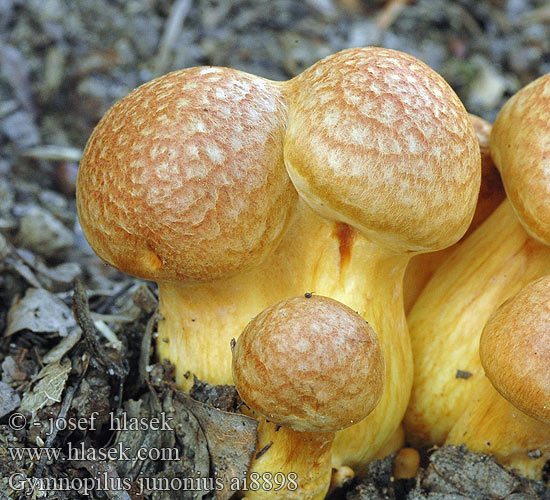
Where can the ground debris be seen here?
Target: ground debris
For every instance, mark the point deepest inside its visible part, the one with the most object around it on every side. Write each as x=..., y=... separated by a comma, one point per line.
x=92, y=396
x=63, y=347
x=183, y=443
x=81, y=311
x=40, y=311
x=223, y=397
x=378, y=483
x=231, y=442
x=452, y=473
x=208, y=448
x=9, y=399
x=48, y=390
x=456, y=471
x=12, y=371
x=108, y=479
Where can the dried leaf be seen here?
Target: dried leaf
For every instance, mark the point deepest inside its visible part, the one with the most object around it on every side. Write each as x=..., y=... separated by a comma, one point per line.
x=41, y=312
x=480, y=477
x=51, y=383
x=216, y=446
x=231, y=441
x=184, y=435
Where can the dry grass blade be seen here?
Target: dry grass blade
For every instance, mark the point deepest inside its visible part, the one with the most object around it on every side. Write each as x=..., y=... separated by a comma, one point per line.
x=389, y=13
x=172, y=29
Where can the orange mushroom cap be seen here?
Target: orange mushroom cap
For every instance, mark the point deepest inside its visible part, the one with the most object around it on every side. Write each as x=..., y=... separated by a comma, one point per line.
x=520, y=147
x=183, y=179
x=515, y=349
x=311, y=364
x=380, y=141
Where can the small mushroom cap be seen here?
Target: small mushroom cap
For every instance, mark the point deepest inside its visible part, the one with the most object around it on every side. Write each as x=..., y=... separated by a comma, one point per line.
x=311, y=364
x=380, y=141
x=515, y=349
x=183, y=179
x=520, y=147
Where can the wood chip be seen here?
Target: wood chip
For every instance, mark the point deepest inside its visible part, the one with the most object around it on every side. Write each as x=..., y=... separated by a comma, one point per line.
x=63, y=347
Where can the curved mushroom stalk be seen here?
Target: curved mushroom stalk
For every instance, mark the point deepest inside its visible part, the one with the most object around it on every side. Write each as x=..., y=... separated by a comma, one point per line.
x=369, y=281
x=503, y=255
x=312, y=366
x=379, y=142
x=300, y=462
x=513, y=423
x=446, y=322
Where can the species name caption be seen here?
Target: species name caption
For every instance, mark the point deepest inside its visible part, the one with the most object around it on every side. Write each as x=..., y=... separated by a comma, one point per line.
x=105, y=481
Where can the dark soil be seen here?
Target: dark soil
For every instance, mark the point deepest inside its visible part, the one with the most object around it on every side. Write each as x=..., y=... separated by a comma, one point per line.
x=68, y=351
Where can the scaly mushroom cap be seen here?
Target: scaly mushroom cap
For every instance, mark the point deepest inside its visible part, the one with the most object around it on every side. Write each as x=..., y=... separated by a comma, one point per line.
x=183, y=179
x=520, y=147
x=311, y=364
x=380, y=141
x=515, y=349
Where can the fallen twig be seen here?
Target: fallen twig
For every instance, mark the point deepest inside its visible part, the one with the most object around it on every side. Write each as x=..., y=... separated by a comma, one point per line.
x=172, y=30
x=389, y=13
x=82, y=315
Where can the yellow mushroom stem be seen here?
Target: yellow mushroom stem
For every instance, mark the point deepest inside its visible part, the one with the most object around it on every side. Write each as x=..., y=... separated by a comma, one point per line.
x=319, y=256
x=300, y=462
x=445, y=324
x=491, y=424
x=510, y=415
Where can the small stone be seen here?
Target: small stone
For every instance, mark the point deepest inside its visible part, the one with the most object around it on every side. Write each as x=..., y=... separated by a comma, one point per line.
x=487, y=89
x=20, y=128
x=9, y=399
x=42, y=233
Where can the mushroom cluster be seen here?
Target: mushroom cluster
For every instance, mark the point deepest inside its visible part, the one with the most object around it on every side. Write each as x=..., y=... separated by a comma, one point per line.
x=234, y=192
x=505, y=253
